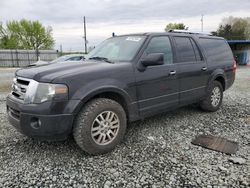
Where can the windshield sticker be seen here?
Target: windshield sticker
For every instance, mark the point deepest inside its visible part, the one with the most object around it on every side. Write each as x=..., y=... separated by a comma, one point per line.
x=134, y=39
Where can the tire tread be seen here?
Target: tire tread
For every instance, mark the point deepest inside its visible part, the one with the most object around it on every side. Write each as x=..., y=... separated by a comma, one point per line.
x=80, y=123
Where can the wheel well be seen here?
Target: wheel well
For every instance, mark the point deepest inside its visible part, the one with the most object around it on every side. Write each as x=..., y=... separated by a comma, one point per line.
x=116, y=97
x=222, y=81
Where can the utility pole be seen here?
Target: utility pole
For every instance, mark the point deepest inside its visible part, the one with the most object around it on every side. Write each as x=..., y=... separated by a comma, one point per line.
x=85, y=35
x=202, y=22
x=61, y=50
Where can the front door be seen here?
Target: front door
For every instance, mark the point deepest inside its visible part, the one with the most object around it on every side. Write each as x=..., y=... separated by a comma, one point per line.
x=157, y=86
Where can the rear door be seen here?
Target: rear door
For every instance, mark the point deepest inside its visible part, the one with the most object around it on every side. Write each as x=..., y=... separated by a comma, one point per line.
x=192, y=70
x=219, y=58
x=157, y=86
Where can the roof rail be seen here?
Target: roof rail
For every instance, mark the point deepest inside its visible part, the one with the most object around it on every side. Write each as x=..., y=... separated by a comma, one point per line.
x=188, y=32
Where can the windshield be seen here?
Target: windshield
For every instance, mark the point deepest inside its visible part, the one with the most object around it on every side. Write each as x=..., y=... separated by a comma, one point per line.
x=59, y=59
x=122, y=48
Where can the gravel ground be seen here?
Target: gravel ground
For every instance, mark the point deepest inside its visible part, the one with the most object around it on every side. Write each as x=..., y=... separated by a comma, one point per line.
x=156, y=152
x=6, y=76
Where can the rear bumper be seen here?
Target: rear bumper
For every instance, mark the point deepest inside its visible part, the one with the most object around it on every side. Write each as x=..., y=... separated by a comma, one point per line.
x=38, y=125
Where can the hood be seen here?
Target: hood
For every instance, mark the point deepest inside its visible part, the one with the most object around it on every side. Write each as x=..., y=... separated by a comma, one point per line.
x=38, y=63
x=50, y=72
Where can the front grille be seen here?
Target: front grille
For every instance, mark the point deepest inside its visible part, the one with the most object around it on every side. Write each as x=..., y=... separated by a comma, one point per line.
x=19, y=87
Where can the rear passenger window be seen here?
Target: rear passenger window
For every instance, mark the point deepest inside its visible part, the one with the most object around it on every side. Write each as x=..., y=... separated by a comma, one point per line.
x=184, y=48
x=161, y=45
x=196, y=51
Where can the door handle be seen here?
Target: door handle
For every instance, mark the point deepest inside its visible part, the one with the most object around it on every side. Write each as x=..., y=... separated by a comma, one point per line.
x=204, y=68
x=172, y=72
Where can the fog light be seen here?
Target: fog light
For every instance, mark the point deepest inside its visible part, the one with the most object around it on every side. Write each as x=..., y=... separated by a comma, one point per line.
x=35, y=123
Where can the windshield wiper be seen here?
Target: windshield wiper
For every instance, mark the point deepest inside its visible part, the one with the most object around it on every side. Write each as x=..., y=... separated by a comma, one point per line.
x=101, y=59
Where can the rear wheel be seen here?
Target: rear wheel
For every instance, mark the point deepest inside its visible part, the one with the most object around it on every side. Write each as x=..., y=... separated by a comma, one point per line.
x=100, y=126
x=214, y=98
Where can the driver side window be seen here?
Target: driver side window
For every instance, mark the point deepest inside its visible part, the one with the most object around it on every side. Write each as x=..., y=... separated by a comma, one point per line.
x=161, y=45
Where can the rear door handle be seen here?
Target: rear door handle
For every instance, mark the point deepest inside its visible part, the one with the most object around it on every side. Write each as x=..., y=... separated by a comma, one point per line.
x=172, y=72
x=204, y=68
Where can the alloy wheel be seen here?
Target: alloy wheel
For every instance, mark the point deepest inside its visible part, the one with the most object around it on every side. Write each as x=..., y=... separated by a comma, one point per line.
x=216, y=96
x=105, y=127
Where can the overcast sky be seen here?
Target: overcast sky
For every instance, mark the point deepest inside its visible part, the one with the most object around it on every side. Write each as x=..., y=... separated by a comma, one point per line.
x=119, y=16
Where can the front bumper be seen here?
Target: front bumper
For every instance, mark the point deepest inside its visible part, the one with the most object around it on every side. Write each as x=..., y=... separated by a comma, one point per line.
x=45, y=121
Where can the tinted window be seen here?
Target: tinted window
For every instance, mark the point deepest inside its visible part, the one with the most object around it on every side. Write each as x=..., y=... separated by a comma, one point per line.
x=216, y=49
x=184, y=48
x=196, y=51
x=161, y=45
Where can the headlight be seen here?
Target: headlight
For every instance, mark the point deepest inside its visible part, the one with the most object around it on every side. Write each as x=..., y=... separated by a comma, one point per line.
x=41, y=92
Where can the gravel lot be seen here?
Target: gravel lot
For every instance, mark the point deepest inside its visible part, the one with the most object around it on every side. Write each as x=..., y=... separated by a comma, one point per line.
x=156, y=152
x=6, y=76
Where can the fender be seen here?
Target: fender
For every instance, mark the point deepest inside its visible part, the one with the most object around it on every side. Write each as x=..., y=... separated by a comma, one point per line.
x=96, y=87
x=216, y=73
x=106, y=88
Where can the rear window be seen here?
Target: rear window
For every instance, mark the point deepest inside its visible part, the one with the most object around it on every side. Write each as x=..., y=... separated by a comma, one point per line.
x=216, y=49
x=185, y=50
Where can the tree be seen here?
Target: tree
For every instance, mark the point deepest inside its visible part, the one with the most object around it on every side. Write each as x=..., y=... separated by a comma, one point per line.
x=225, y=31
x=233, y=28
x=26, y=34
x=175, y=26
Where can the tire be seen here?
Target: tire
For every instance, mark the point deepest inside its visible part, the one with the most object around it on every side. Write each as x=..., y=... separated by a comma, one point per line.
x=100, y=126
x=214, y=98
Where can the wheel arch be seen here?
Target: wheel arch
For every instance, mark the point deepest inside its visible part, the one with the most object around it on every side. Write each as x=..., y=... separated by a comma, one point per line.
x=221, y=79
x=218, y=75
x=116, y=94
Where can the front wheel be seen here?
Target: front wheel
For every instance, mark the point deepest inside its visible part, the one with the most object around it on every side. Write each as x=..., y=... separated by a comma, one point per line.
x=214, y=98
x=100, y=126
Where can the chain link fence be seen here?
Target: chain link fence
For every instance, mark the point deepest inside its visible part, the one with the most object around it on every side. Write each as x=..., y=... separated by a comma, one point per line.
x=22, y=58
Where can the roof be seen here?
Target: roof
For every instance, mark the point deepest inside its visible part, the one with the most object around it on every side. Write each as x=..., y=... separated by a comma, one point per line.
x=170, y=33
x=238, y=41
x=188, y=32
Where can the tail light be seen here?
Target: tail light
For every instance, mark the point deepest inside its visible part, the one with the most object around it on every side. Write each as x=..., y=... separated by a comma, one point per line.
x=234, y=66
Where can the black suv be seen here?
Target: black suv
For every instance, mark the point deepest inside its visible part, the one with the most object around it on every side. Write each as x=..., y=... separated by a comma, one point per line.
x=124, y=79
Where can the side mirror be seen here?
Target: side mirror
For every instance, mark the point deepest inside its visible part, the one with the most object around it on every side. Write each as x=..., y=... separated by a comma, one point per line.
x=151, y=60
